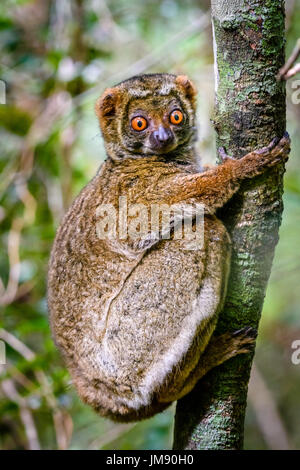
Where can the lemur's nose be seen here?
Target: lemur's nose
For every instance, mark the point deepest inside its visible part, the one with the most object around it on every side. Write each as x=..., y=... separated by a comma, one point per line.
x=162, y=135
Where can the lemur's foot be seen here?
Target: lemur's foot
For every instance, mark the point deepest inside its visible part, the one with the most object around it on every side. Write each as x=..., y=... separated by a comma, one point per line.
x=221, y=348
x=244, y=339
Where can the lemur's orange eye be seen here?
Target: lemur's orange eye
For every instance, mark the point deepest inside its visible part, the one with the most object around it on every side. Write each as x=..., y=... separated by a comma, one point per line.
x=176, y=117
x=139, y=123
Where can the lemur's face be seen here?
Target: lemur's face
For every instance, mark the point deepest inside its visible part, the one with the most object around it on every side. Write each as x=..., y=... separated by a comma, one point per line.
x=147, y=115
x=155, y=125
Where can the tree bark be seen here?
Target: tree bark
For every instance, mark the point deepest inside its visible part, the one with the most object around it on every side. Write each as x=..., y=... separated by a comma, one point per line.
x=250, y=111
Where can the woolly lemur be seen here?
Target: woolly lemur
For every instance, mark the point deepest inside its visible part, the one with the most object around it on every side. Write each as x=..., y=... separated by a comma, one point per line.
x=134, y=318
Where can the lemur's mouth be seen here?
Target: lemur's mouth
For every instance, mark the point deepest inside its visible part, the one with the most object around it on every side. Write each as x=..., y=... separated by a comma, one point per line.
x=163, y=148
x=159, y=150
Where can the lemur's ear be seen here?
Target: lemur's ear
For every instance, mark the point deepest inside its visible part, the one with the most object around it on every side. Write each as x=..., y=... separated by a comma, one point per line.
x=106, y=105
x=188, y=87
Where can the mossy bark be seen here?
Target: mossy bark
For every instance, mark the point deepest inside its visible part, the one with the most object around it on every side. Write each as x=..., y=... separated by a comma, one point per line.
x=249, y=44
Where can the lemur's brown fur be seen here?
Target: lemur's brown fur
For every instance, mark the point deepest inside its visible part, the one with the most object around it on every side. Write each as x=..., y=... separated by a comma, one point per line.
x=134, y=320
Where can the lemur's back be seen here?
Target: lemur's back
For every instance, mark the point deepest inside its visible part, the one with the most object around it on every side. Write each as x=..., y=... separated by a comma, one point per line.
x=111, y=331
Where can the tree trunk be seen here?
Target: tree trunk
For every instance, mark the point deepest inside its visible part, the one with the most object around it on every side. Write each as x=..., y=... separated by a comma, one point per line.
x=250, y=111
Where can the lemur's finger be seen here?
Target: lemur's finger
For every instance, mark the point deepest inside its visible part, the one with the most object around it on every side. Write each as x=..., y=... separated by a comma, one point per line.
x=286, y=141
x=279, y=157
x=284, y=151
x=282, y=148
x=276, y=148
x=269, y=147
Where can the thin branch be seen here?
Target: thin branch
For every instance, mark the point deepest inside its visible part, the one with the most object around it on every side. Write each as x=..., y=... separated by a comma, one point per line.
x=13, y=290
x=111, y=435
x=285, y=71
x=10, y=391
x=12, y=371
x=266, y=412
x=14, y=237
x=293, y=71
x=61, y=419
x=17, y=345
x=151, y=59
x=55, y=107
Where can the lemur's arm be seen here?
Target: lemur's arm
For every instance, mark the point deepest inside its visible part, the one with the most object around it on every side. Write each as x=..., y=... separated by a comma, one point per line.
x=215, y=187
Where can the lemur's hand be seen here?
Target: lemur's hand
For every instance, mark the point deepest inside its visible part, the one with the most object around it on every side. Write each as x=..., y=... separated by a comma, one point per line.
x=277, y=151
x=254, y=163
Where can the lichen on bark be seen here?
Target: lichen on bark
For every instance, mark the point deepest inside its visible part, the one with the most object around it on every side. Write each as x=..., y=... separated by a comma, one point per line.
x=250, y=108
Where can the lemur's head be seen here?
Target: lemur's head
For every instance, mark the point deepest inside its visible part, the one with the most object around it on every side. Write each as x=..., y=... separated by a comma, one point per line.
x=146, y=115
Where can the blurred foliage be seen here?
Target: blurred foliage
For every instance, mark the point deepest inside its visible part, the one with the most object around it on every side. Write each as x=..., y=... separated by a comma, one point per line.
x=56, y=58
